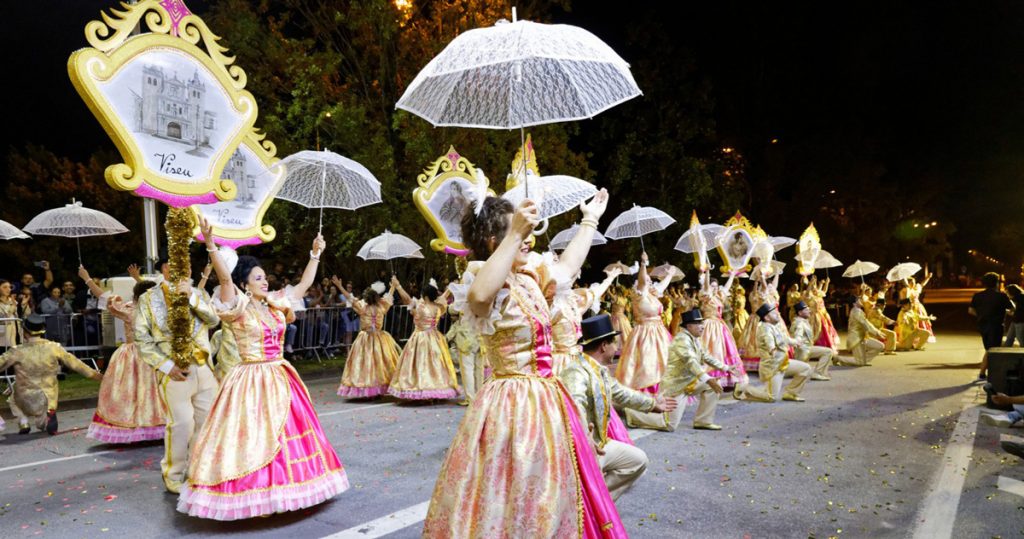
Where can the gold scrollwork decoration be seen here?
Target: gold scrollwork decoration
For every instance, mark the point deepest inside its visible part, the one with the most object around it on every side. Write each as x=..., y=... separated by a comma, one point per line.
x=450, y=168
x=123, y=23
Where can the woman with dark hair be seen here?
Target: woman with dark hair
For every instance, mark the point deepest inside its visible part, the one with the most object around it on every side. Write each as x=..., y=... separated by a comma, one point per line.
x=129, y=409
x=425, y=370
x=521, y=463
x=374, y=354
x=262, y=449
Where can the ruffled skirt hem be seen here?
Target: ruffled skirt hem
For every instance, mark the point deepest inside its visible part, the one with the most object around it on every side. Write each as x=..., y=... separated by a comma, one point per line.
x=424, y=394
x=221, y=506
x=111, y=434
x=361, y=392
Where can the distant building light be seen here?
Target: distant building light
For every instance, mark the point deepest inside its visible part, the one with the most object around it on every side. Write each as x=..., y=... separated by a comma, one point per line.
x=775, y=141
x=727, y=150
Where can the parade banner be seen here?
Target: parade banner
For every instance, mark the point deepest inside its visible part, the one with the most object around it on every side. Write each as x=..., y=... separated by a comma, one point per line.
x=446, y=188
x=170, y=99
x=258, y=177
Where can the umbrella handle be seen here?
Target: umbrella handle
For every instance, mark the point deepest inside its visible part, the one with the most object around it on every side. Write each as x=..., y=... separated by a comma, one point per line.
x=78, y=244
x=542, y=228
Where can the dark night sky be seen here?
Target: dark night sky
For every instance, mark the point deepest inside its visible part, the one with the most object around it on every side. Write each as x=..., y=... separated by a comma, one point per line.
x=929, y=86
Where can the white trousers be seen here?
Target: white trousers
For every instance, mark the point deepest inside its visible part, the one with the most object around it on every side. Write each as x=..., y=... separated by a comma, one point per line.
x=621, y=464
x=472, y=370
x=863, y=353
x=915, y=340
x=669, y=421
x=821, y=353
x=187, y=404
x=773, y=391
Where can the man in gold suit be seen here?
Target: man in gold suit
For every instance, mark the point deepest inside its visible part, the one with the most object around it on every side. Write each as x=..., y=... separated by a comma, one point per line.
x=187, y=393
x=36, y=364
x=875, y=314
x=773, y=348
x=804, y=347
x=911, y=336
x=595, y=391
x=863, y=340
x=685, y=376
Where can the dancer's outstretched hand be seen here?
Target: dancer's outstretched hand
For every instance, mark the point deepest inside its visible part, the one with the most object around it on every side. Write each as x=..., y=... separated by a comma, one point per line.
x=319, y=244
x=595, y=208
x=525, y=219
x=83, y=273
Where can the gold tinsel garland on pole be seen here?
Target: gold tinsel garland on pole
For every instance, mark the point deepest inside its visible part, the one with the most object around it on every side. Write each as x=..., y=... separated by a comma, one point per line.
x=179, y=226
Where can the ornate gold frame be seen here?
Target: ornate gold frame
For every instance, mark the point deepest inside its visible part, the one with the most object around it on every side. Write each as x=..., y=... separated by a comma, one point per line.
x=265, y=151
x=113, y=46
x=739, y=222
x=810, y=234
x=445, y=168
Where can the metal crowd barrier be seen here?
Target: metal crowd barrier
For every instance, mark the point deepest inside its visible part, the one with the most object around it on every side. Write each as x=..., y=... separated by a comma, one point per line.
x=80, y=334
x=325, y=331
x=8, y=376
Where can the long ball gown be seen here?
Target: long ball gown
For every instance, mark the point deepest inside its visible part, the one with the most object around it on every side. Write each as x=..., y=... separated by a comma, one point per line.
x=374, y=354
x=130, y=408
x=718, y=340
x=567, y=309
x=645, y=355
x=740, y=316
x=425, y=369
x=825, y=333
x=520, y=464
x=262, y=449
x=747, y=344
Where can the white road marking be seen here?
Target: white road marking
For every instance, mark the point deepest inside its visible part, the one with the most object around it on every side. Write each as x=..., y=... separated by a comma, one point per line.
x=350, y=410
x=96, y=453
x=1008, y=484
x=386, y=524
x=61, y=459
x=938, y=510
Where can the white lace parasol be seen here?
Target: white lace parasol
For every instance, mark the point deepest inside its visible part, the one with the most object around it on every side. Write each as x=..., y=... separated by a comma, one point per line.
x=699, y=238
x=554, y=195
x=518, y=74
x=324, y=179
x=626, y=270
x=661, y=271
x=825, y=260
x=902, y=271
x=11, y=232
x=637, y=222
x=562, y=239
x=74, y=221
x=388, y=246
x=860, y=269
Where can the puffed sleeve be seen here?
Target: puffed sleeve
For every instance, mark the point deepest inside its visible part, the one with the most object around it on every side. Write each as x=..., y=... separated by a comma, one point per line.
x=232, y=310
x=460, y=302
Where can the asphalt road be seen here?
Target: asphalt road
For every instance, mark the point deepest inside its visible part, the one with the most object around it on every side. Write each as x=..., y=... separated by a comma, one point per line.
x=891, y=450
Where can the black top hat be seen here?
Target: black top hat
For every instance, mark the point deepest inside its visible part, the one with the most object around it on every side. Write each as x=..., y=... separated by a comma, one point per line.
x=799, y=306
x=764, y=309
x=879, y=301
x=34, y=324
x=692, y=316
x=596, y=328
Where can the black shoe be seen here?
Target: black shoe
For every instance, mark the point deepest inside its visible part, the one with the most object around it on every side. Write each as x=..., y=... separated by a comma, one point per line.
x=1013, y=448
x=51, y=423
x=24, y=430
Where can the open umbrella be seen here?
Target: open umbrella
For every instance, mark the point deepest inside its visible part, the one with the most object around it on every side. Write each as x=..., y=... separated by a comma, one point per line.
x=769, y=269
x=554, y=195
x=74, y=221
x=562, y=239
x=11, y=232
x=825, y=260
x=618, y=266
x=902, y=271
x=324, y=179
x=637, y=222
x=699, y=238
x=661, y=271
x=389, y=246
x=518, y=74
x=860, y=269
x=781, y=242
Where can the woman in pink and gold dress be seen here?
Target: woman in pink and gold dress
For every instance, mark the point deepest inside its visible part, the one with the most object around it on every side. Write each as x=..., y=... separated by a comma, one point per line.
x=717, y=336
x=373, y=357
x=425, y=370
x=645, y=353
x=521, y=463
x=567, y=309
x=262, y=449
x=825, y=333
x=129, y=409
x=620, y=320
